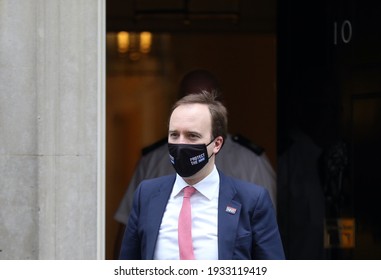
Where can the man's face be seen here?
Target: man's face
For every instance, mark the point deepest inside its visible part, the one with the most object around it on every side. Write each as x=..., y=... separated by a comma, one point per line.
x=190, y=124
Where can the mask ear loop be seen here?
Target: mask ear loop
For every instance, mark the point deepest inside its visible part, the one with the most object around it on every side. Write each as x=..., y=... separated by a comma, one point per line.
x=211, y=141
x=208, y=145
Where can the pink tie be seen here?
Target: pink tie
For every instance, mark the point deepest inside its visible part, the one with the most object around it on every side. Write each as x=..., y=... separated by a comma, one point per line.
x=185, y=226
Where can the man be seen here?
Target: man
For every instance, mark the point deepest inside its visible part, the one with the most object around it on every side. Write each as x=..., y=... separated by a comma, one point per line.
x=231, y=219
x=240, y=158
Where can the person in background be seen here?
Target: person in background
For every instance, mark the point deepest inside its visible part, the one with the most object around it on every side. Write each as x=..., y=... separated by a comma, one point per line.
x=199, y=212
x=240, y=157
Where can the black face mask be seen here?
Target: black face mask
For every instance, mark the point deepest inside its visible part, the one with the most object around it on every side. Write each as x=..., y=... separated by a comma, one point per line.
x=188, y=159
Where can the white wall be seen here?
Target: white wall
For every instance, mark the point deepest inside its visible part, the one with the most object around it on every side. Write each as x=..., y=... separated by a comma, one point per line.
x=52, y=129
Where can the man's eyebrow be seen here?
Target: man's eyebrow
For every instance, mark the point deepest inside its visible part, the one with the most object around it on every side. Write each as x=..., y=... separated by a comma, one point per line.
x=194, y=132
x=186, y=132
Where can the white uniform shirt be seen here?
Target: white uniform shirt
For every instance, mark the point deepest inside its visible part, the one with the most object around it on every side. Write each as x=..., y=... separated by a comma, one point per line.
x=204, y=203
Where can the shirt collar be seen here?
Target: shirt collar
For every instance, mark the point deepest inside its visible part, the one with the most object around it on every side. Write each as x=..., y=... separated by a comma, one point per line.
x=208, y=187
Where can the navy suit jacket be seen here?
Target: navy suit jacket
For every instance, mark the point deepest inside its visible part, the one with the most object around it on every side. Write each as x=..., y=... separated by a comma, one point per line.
x=249, y=232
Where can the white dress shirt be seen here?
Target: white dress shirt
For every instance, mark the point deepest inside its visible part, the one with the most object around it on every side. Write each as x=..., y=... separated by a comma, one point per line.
x=204, y=203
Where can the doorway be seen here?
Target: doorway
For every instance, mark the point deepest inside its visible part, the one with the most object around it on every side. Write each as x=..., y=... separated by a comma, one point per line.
x=141, y=86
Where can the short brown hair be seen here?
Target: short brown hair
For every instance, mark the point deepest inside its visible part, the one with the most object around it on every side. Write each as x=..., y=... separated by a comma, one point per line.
x=217, y=110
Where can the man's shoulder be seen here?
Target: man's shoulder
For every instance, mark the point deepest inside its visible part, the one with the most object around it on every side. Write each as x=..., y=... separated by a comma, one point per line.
x=158, y=181
x=158, y=145
x=247, y=193
x=239, y=184
x=246, y=143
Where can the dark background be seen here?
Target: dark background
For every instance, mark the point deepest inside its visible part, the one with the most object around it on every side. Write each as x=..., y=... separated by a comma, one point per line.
x=300, y=78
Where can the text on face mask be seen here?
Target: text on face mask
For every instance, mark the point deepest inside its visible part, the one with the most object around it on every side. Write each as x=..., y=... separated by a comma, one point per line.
x=197, y=159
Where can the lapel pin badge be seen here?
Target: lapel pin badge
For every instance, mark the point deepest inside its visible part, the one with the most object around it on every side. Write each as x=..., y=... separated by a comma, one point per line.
x=230, y=210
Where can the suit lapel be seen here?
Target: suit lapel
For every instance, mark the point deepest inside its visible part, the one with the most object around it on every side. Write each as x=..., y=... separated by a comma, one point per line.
x=228, y=218
x=157, y=207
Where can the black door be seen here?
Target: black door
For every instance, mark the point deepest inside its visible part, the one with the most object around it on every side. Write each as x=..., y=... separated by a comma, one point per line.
x=329, y=128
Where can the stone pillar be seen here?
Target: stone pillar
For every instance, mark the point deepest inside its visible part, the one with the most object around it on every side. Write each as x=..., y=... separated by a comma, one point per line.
x=52, y=129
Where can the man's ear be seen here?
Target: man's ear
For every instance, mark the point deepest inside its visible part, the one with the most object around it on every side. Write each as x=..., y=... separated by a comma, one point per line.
x=218, y=144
